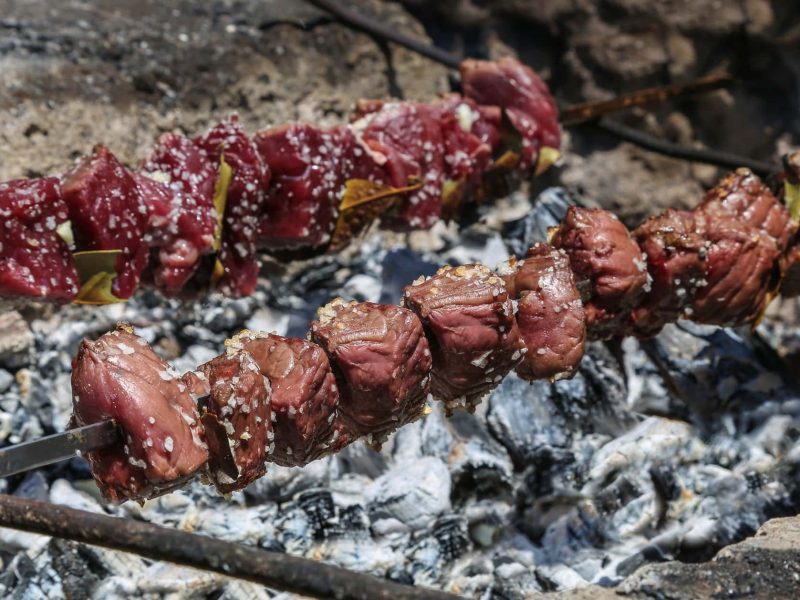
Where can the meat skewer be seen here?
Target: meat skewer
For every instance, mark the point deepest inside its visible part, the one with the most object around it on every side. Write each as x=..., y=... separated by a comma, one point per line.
x=196, y=212
x=368, y=368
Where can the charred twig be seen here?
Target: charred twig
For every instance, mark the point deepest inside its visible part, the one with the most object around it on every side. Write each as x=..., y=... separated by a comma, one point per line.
x=588, y=111
x=272, y=569
x=702, y=155
x=580, y=113
x=374, y=28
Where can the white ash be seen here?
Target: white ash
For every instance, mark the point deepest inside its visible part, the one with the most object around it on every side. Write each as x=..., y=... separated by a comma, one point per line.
x=545, y=487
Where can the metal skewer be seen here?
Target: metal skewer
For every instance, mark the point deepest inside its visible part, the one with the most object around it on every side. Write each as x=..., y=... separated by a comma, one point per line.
x=55, y=448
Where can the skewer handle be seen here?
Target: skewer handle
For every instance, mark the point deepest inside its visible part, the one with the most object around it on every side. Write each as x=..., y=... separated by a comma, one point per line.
x=55, y=448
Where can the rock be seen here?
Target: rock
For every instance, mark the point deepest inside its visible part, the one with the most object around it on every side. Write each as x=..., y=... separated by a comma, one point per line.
x=766, y=565
x=16, y=341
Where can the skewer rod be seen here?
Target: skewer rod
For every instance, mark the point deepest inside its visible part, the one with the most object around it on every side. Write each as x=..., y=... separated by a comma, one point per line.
x=272, y=569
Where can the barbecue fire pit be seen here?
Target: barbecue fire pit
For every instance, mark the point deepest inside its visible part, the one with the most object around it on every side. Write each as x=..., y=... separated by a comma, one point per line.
x=302, y=360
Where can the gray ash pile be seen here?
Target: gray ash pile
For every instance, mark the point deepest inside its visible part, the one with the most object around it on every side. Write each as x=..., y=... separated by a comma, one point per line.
x=670, y=448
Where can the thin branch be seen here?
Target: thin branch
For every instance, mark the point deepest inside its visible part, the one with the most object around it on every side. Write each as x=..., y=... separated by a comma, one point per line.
x=579, y=113
x=701, y=155
x=377, y=29
x=588, y=111
x=272, y=569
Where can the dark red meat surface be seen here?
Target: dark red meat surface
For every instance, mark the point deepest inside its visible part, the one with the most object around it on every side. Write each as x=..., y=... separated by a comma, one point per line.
x=469, y=318
x=121, y=378
x=183, y=219
x=742, y=271
x=527, y=102
x=305, y=397
x=409, y=138
x=550, y=315
x=382, y=362
x=244, y=205
x=302, y=201
x=676, y=263
x=107, y=213
x=742, y=194
x=35, y=262
x=237, y=420
x=604, y=258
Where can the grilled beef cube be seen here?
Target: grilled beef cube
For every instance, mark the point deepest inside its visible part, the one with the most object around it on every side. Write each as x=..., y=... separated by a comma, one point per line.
x=469, y=320
x=237, y=420
x=177, y=184
x=382, y=362
x=550, y=315
x=107, y=213
x=523, y=96
x=304, y=396
x=301, y=204
x=467, y=150
x=676, y=263
x=742, y=271
x=408, y=137
x=243, y=207
x=609, y=266
x=742, y=194
x=35, y=262
x=120, y=377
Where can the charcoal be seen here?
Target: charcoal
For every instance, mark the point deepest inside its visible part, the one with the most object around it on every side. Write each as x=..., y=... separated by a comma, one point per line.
x=548, y=211
x=522, y=417
x=414, y=493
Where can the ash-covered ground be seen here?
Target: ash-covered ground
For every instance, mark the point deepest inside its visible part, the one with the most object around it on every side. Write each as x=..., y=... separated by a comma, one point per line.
x=671, y=449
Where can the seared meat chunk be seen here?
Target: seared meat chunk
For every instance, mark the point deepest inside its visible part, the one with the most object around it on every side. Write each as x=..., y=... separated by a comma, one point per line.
x=606, y=261
x=177, y=184
x=469, y=319
x=237, y=420
x=244, y=204
x=468, y=138
x=676, y=256
x=742, y=194
x=107, y=213
x=302, y=200
x=304, y=396
x=382, y=362
x=408, y=137
x=523, y=96
x=120, y=377
x=35, y=262
x=550, y=314
x=742, y=271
